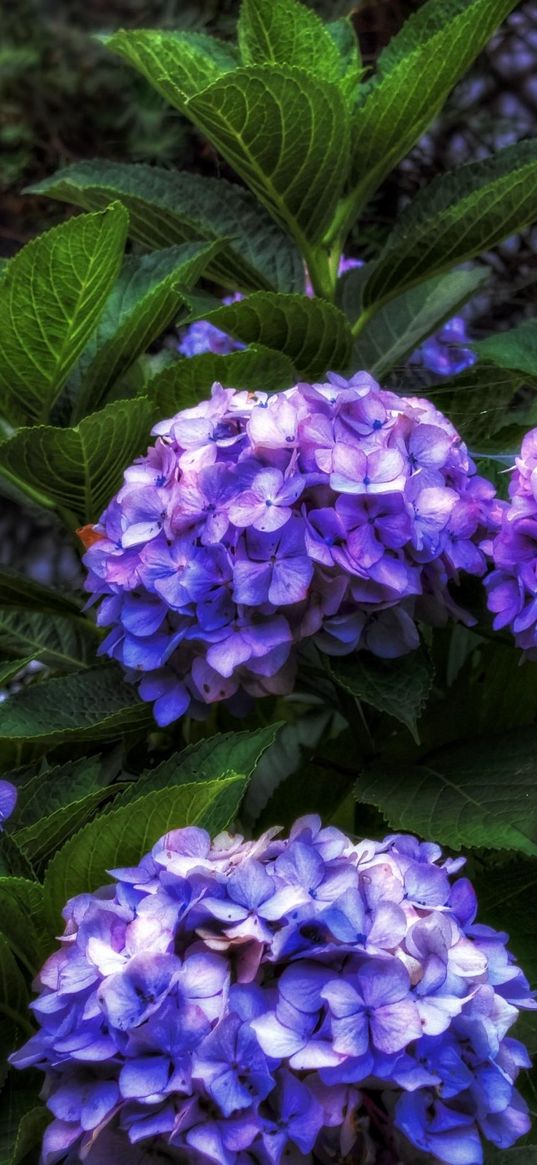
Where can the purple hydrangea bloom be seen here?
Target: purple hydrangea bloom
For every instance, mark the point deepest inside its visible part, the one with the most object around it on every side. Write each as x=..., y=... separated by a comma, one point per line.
x=250, y=1002
x=336, y=512
x=512, y=585
x=445, y=353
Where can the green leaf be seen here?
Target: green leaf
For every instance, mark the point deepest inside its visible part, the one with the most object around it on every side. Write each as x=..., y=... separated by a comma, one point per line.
x=284, y=757
x=40, y=840
x=455, y=217
x=50, y=301
x=96, y=704
x=13, y=992
x=22, y=1119
x=479, y=792
x=62, y=644
x=49, y=790
x=516, y=349
x=80, y=468
x=517, y=1156
x=139, y=308
x=477, y=400
x=313, y=334
x=504, y=894
x=344, y=36
x=17, y=590
x=29, y=1133
x=167, y=208
x=190, y=380
x=401, y=325
x=285, y=32
x=22, y=921
x=128, y=833
x=177, y=64
x=413, y=77
x=13, y=863
x=399, y=687
x=214, y=759
x=287, y=135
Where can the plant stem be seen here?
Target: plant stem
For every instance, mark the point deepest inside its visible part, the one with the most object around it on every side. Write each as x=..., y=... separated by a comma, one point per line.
x=322, y=279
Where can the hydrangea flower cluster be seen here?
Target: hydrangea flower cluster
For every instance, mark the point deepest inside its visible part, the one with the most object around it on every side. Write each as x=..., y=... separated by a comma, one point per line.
x=512, y=585
x=334, y=512
x=250, y=1002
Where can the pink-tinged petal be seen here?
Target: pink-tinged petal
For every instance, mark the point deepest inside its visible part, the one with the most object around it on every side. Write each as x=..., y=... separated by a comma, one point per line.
x=437, y=1011
x=395, y=1026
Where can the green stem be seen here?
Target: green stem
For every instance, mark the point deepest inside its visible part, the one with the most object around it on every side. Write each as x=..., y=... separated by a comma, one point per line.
x=322, y=279
x=363, y=320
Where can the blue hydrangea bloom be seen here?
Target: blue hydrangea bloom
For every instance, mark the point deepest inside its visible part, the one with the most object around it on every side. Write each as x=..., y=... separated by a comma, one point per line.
x=334, y=512
x=258, y=1002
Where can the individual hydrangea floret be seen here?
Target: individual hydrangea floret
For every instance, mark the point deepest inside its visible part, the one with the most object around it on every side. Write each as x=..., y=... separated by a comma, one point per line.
x=512, y=585
x=337, y=513
x=282, y=1000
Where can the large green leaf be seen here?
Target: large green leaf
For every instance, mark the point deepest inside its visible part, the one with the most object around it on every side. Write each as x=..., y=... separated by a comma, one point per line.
x=166, y=207
x=285, y=32
x=399, y=687
x=13, y=991
x=190, y=380
x=177, y=64
x=22, y=1118
x=505, y=893
x=399, y=326
x=515, y=349
x=527, y=1155
x=80, y=468
x=413, y=77
x=95, y=704
x=50, y=302
x=480, y=792
x=22, y=921
x=295, y=741
x=39, y=840
x=17, y=590
x=477, y=400
x=455, y=217
x=312, y=333
x=287, y=134
x=142, y=303
x=31, y=1127
x=46, y=791
x=214, y=759
x=62, y=644
x=126, y=834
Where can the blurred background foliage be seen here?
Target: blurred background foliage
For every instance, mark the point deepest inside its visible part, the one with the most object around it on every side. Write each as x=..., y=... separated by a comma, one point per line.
x=64, y=98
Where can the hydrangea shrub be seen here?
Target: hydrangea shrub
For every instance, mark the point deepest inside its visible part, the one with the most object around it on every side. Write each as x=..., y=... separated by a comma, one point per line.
x=311, y=594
